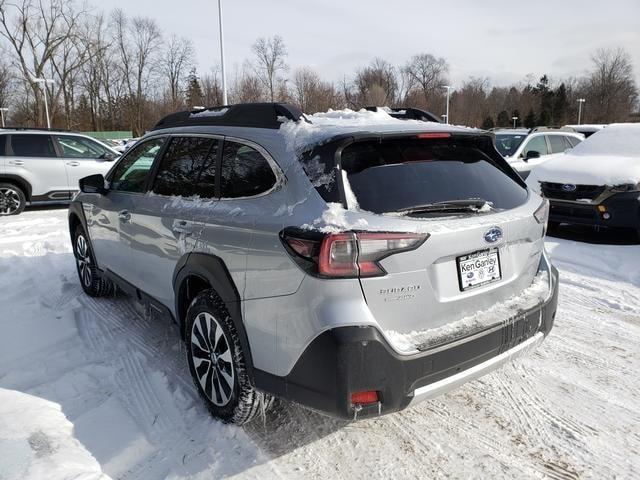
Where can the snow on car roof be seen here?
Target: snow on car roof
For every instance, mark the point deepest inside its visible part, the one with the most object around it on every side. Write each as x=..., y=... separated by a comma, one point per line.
x=609, y=157
x=300, y=135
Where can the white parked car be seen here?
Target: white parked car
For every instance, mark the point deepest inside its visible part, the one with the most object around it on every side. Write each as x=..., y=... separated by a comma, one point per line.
x=524, y=148
x=597, y=183
x=44, y=166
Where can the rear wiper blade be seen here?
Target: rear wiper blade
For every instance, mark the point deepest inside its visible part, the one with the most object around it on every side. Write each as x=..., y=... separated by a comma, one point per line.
x=468, y=204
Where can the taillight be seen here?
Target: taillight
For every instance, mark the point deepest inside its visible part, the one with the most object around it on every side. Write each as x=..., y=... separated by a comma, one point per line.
x=434, y=135
x=542, y=215
x=349, y=254
x=365, y=397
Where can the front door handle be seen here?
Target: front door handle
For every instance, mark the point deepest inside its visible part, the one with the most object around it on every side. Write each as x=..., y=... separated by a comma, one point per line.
x=73, y=163
x=182, y=226
x=16, y=162
x=124, y=216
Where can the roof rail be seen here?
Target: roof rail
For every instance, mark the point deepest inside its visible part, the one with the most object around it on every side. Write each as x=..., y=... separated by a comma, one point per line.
x=256, y=115
x=552, y=129
x=407, y=113
x=39, y=129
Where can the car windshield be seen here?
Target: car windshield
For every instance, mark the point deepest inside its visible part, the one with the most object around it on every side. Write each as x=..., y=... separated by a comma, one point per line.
x=508, y=143
x=405, y=174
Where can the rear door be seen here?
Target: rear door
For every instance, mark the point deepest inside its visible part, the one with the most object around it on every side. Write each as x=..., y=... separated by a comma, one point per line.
x=83, y=157
x=432, y=286
x=109, y=215
x=34, y=158
x=162, y=228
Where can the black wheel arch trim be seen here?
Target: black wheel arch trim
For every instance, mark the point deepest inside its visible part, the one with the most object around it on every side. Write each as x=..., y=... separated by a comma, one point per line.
x=19, y=182
x=214, y=271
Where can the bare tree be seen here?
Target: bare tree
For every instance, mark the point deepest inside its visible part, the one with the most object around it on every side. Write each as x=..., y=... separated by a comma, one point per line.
x=36, y=31
x=311, y=94
x=611, y=90
x=376, y=84
x=428, y=74
x=270, y=60
x=177, y=60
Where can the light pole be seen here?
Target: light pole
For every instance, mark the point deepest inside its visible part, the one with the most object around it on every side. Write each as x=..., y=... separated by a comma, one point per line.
x=44, y=82
x=224, y=77
x=2, y=110
x=448, y=87
x=514, y=121
x=580, y=102
x=444, y=117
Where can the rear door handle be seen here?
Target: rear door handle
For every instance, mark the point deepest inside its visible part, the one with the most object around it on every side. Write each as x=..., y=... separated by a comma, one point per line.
x=182, y=226
x=16, y=162
x=124, y=216
x=73, y=163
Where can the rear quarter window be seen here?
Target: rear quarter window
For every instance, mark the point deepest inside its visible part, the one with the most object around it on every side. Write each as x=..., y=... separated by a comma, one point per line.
x=392, y=175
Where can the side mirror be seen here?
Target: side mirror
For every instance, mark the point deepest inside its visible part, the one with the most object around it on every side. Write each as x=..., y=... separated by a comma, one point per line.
x=93, y=184
x=531, y=154
x=109, y=156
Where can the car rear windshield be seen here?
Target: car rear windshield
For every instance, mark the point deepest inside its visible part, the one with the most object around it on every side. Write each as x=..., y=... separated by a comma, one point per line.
x=508, y=143
x=395, y=175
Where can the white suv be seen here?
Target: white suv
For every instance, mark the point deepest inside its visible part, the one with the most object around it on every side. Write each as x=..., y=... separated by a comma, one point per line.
x=524, y=148
x=44, y=166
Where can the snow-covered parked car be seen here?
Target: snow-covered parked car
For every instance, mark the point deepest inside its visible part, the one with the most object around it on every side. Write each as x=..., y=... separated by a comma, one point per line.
x=352, y=262
x=526, y=148
x=597, y=183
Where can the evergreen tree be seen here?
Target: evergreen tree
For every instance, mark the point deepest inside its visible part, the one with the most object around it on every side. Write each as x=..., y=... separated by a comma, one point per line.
x=560, y=105
x=530, y=119
x=487, y=123
x=194, y=90
x=503, y=119
x=545, y=96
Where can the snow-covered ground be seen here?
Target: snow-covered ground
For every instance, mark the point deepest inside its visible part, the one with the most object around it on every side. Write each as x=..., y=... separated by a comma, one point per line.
x=97, y=387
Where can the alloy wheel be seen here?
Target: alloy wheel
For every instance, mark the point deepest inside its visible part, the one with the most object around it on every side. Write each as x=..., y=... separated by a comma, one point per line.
x=211, y=357
x=84, y=260
x=9, y=201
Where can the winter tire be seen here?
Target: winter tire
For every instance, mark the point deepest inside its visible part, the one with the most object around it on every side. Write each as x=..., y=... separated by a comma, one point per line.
x=91, y=279
x=12, y=199
x=217, y=362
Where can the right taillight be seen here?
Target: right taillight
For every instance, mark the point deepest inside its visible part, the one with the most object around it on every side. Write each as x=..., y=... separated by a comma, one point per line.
x=348, y=254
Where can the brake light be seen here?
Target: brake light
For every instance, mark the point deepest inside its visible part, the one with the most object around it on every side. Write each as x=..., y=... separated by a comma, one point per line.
x=434, y=135
x=350, y=254
x=542, y=215
x=364, y=397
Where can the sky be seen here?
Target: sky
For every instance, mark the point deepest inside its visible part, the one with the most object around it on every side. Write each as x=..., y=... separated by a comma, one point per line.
x=499, y=39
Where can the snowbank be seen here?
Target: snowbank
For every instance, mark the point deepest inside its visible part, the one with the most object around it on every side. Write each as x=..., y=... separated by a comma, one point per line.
x=609, y=157
x=36, y=441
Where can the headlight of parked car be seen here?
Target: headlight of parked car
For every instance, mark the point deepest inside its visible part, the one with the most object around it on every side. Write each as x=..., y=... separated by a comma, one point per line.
x=626, y=187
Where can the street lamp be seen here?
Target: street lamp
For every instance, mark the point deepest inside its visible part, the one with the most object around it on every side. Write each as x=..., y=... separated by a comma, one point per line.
x=514, y=121
x=448, y=95
x=444, y=117
x=2, y=110
x=580, y=102
x=224, y=77
x=44, y=82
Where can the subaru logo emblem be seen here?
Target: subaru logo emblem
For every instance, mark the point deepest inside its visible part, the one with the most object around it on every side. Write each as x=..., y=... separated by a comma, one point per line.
x=493, y=235
x=569, y=187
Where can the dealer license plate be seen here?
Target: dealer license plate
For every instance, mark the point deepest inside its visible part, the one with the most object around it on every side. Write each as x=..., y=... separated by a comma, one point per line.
x=478, y=268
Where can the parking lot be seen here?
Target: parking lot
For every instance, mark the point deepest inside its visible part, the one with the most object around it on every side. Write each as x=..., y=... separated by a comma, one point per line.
x=570, y=409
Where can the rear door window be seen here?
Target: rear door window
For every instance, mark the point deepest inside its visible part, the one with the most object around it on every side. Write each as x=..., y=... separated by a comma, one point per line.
x=557, y=143
x=393, y=175
x=32, y=146
x=182, y=165
x=245, y=172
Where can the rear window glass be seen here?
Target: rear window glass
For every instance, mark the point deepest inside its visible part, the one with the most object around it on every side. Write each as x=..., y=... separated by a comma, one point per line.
x=32, y=146
x=394, y=175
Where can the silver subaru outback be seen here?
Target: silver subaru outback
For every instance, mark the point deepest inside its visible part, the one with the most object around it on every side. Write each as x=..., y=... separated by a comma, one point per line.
x=354, y=263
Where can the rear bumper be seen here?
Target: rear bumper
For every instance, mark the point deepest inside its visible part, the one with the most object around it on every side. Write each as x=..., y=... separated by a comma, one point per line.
x=345, y=360
x=623, y=210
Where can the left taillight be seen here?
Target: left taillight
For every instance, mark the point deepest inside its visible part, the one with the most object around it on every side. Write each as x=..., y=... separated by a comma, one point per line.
x=542, y=215
x=348, y=254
